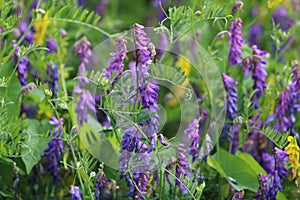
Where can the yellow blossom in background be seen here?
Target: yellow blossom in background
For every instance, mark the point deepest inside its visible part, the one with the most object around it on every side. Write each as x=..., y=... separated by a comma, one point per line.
x=273, y=3
x=40, y=28
x=185, y=66
x=293, y=152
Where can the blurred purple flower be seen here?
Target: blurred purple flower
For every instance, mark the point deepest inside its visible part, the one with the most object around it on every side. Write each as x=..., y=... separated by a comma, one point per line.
x=156, y=4
x=236, y=41
x=256, y=142
x=236, y=6
x=30, y=111
x=142, y=182
x=51, y=45
x=231, y=97
x=182, y=167
x=102, y=187
x=258, y=73
x=22, y=66
x=273, y=181
x=29, y=37
x=101, y=8
x=283, y=115
x=83, y=48
x=254, y=34
x=235, y=140
x=53, y=78
x=86, y=103
x=117, y=59
x=192, y=138
x=75, y=193
x=281, y=17
x=55, y=148
x=254, y=12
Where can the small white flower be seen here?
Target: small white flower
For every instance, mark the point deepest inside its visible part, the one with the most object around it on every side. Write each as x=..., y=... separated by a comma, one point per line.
x=92, y=174
x=78, y=164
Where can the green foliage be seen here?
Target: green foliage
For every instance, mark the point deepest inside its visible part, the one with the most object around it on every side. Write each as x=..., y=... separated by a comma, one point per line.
x=11, y=139
x=241, y=175
x=279, y=139
x=7, y=20
x=35, y=142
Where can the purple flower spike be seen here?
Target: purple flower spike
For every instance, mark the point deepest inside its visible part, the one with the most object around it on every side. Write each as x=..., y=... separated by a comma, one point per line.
x=75, y=193
x=236, y=6
x=280, y=16
x=83, y=48
x=236, y=41
x=29, y=37
x=141, y=41
x=117, y=59
x=255, y=33
x=51, y=45
x=182, y=167
x=231, y=97
x=53, y=77
x=192, y=137
x=86, y=102
x=55, y=148
x=259, y=74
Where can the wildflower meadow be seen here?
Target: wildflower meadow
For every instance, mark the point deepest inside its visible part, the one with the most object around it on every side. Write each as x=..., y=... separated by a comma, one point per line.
x=149, y=99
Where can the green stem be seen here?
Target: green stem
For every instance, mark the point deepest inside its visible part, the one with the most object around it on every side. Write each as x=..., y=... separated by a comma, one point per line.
x=71, y=146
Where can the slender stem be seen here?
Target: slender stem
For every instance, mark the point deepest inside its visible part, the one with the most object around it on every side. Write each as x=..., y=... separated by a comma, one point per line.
x=70, y=144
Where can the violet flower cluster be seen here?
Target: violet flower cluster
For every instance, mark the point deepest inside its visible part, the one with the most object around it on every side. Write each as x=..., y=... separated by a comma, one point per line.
x=102, y=187
x=255, y=33
x=287, y=106
x=281, y=17
x=86, y=102
x=258, y=73
x=192, y=138
x=22, y=66
x=231, y=96
x=134, y=150
x=235, y=41
x=256, y=64
x=116, y=62
x=182, y=167
x=53, y=77
x=273, y=181
x=55, y=148
x=51, y=45
x=75, y=193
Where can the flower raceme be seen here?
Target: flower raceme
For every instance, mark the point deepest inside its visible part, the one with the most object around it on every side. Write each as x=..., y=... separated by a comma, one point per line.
x=235, y=41
x=117, y=59
x=55, y=148
x=231, y=97
x=293, y=153
x=75, y=193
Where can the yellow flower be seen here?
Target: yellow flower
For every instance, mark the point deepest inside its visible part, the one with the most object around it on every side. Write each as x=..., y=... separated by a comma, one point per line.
x=293, y=152
x=272, y=3
x=185, y=66
x=40, y=28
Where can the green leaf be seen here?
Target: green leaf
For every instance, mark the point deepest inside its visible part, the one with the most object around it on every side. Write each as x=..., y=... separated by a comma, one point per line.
x=143, y=116
x=237, y=172
x=280, y=196
x=37, y=94
x=97, y=144
x=254, y=165
x=36, y=144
